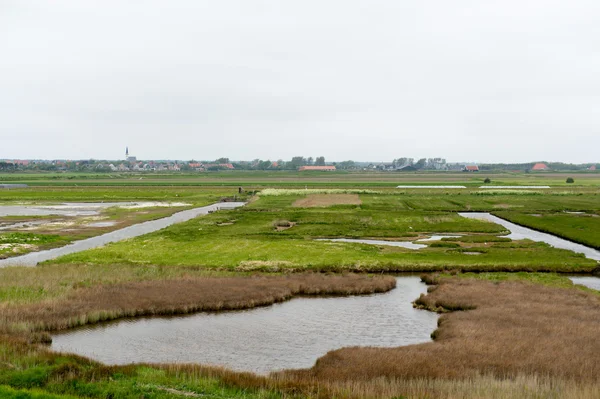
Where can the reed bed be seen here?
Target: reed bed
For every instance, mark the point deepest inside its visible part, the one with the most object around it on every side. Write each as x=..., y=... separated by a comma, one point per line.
x=510, y=329
x=179, y=296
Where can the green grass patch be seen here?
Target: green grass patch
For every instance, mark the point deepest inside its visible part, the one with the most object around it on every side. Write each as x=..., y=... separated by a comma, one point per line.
x=581, y=228
x=253, y=240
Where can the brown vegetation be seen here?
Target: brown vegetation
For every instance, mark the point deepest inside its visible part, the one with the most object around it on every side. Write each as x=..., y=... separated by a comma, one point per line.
x=180, y=296
x=324, y=200
x=481, y=386
x=510, y=329
x=281, y=225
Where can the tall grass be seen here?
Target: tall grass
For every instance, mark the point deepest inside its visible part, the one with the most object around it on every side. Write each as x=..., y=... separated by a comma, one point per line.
x=509, y=328
x=179, y=296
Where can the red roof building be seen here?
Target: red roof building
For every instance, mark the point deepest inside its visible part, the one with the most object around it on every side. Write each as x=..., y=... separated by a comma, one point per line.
x=471, y=168
x=593, y=167
x=540, y=166
x=325, y=168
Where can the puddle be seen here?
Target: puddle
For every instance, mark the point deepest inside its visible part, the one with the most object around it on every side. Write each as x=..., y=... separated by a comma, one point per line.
x=22, y=225
x=402, y=244
x=77, y=208
x=101, y=224
x=32, y=259
x=437, y=237
x=293, y=334
x=588, y=281
x=519, y=233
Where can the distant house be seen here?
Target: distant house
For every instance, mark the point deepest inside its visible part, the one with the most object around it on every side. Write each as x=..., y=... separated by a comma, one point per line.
x=540, y=166
x=471, y=168
x=407, y=168
x=218, y=166
x=386, y=166
x=593, y=167
x=323, y=168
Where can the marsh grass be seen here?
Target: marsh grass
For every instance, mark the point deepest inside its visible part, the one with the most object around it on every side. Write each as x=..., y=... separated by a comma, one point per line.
x=521, y=340
x=581, y=228
x=504, y=328
x=180, y=296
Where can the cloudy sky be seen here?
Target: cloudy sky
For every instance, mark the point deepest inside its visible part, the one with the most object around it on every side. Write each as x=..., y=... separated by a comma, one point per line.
x=468, y=80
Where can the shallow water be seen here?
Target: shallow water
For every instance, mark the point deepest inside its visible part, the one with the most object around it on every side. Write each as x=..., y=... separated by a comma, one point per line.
x=519, y=233
x=33, y=258
x=65, y=209
x=292, y=334
x=588, y=281
x=402, y=244
x=438, y=237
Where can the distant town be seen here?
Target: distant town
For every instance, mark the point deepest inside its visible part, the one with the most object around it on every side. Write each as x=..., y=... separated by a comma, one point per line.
x=130, y=163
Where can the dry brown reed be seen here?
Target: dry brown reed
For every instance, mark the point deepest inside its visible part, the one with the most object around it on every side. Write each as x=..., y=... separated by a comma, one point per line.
x=513, y=328
x=179, y=296
x=480, y=386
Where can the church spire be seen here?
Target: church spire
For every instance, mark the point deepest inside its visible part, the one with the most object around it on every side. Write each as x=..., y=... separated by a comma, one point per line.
x=127, y=151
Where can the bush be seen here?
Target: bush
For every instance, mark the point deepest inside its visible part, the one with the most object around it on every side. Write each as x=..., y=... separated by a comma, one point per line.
x=487, y=180
x=570, y=180
x=444, y=245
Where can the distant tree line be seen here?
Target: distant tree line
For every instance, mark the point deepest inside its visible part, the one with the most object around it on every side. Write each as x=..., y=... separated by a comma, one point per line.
x=557, y=166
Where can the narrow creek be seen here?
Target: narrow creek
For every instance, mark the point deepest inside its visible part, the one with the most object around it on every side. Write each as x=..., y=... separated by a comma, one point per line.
x=519, y=233
x=587, y=281
x=293, y=334
x=33, y=258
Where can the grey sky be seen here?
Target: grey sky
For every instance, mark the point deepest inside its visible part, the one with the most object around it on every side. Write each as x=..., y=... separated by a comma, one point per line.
x=365, y=80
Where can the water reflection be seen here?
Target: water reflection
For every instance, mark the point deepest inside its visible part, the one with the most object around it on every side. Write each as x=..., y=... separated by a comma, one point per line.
x=292, y=334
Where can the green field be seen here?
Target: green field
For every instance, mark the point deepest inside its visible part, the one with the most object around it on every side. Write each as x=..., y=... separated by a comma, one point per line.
x=275, y=233
x=246, y=239
x=262, y=179
x=582, y=228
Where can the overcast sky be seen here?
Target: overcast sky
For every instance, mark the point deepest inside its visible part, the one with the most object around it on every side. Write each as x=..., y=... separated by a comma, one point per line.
x=468, y=80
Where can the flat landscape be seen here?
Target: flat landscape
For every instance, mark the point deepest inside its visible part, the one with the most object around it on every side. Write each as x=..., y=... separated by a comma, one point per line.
x=508, y=309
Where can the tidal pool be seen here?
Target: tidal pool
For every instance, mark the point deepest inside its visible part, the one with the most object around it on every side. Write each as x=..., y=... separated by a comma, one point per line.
x=293, y=334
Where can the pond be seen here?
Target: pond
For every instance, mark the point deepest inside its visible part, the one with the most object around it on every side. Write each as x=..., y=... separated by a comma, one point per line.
x=293, y=334
x=32, y=259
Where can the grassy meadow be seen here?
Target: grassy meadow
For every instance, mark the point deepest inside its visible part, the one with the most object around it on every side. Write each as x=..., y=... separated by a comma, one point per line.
x=252, y=238
x=490, y=289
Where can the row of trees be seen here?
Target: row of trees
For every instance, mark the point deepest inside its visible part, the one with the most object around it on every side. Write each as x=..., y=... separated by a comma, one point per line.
x=293, y=164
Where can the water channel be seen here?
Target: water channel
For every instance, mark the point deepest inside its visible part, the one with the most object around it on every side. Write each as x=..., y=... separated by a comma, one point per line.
x=33, y=258
x=588, y=281
x=519, y=233
x=293, y=334
x=401, y=244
